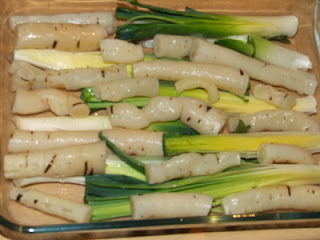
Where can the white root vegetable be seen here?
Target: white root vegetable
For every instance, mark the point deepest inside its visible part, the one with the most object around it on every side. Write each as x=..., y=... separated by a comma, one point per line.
x=105, y=19
x=163, y=109
x=272, y=153
x=194, y=113
x=227, y=78
x=187, y=84
x=120, y=51
x=201, y=116
x=299, y=81
x=128, y=116
x=51, y=204
x=170, y=205
x=275, y=120
x=64, y=37
x=59, y=102
x=131, y=141
x=124, y=88
x=273, y=96
x=66, y=123
x=22, y=182
x=190, y=164
x=304, y=197
x=172, y=46
x=84, y=159
x=25, y=75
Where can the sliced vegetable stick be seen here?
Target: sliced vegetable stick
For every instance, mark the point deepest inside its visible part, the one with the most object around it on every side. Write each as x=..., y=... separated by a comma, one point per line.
x=131, y=141
x=62, y=123
x=104, y=19
x=172, y=46
x=127, y=87
x=273, y=96
x=120, y=51
x=70, y=161
x=169, y=205
x=190, y=164
x=41, y=100
x=299, y=81
x=275, y=120
x=54, y=205
x=227, y=78
x=272, y=153
x=29, y=76
x=188, y=83
x=65, y=37
x=305, y=197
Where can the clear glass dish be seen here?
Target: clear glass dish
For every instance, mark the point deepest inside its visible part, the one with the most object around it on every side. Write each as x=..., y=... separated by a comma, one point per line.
x=20, y=222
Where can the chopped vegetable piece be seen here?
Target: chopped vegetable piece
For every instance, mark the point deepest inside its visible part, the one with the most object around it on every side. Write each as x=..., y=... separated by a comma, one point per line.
x=104, y=19
x=275, y=120
x=271, y=153
x=79, y=160
x=62, y=123
x=119, y=51
x=169, y=205
x=275, y=97
x=41, y=100
x=65, y=37
x=67, y=209
x=304, y=197
x=190, y=164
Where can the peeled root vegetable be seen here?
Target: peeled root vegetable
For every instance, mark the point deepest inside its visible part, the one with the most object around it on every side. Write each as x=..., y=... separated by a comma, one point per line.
x=70, y=210
x=170, y=205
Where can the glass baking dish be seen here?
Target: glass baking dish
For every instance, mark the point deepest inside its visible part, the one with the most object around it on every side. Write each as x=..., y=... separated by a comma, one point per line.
x=21, y=222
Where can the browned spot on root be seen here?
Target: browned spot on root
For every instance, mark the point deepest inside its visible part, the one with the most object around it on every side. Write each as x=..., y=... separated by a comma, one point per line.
x=85, y=168
x=289, y=191
x=54, y=44
x=19, y=197
x=50, y=163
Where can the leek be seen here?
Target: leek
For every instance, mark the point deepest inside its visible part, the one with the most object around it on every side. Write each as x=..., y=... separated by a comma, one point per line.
x=246, y=143
x=192, y=22
x=237, y=45
x=269, y=52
